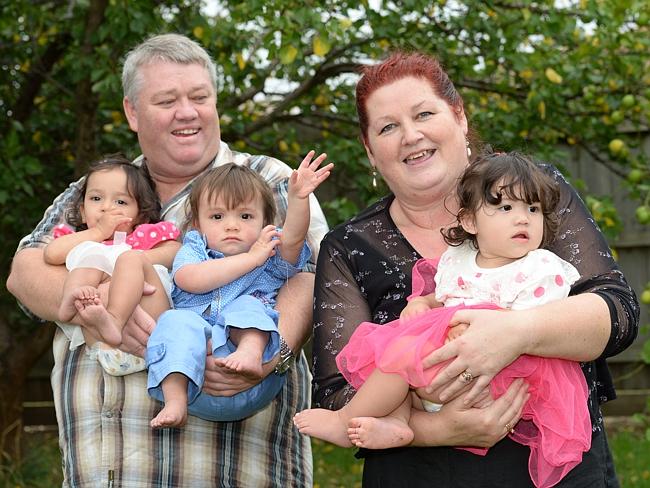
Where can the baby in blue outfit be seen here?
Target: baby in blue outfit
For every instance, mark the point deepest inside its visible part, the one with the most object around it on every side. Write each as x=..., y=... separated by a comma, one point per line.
x=226, y=277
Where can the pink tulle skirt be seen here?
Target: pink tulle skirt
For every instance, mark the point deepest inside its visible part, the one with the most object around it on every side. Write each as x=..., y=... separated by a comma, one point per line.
x=555, y=423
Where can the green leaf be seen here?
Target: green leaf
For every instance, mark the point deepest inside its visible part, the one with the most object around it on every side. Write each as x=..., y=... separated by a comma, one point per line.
x=288, y=54
x=321, y=45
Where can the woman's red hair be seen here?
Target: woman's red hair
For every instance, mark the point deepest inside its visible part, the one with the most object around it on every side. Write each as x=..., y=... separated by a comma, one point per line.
x=401, y=65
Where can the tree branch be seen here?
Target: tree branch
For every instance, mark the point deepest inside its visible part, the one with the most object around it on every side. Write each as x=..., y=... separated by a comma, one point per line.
x=41, y=67
x=606, y=163
x=536, y=8
x=489, y=87
x=87, y=101
x=236, y=100
x=323, y=73
x=318, y=115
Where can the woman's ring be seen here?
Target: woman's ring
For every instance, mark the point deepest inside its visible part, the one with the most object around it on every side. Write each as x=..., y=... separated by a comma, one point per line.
x=509, y=429
x=466, y=377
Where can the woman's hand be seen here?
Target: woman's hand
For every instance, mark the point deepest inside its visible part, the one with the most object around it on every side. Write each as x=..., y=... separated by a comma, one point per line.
x=483, y=399
x=220, y=381
x=484, y=427
x=492, y=341
x=477, y=427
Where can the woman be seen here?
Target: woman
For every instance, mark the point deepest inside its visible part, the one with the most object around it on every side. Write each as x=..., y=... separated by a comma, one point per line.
x=414, y=129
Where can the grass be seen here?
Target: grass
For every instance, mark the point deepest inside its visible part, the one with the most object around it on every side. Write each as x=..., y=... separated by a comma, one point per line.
x=40, y=466
x=632, y=459
x=334, y=467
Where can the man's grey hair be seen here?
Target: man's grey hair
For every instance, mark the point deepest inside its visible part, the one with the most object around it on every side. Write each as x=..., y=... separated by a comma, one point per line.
x=172, y=48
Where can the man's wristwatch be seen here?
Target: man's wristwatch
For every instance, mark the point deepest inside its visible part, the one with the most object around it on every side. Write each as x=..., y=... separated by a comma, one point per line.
x=286, y=358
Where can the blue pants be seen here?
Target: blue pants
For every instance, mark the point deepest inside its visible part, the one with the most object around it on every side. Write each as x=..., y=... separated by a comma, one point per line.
x=178, y=344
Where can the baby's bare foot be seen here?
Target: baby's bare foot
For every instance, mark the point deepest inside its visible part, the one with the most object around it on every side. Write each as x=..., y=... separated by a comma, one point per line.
x=323, y=424
x=94, y=312
x=83, y=294
x=379, y=433
x=173, y=414
x=244, y=363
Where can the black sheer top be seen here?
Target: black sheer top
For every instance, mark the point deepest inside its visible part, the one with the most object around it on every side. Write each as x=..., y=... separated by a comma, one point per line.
x=364, y=274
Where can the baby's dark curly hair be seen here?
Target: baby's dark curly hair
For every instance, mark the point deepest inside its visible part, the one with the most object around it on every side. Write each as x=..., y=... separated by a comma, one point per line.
x=140, y=185
x=490, y=177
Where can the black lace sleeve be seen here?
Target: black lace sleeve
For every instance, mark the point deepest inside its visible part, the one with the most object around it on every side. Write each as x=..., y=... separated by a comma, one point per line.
x=363, y=274
x=580, y=242
x=339, y=306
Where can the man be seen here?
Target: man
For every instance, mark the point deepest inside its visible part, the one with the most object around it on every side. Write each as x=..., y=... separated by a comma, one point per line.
x=169, y=87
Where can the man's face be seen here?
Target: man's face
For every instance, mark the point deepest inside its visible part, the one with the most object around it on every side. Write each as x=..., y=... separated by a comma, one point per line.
x=175, y=116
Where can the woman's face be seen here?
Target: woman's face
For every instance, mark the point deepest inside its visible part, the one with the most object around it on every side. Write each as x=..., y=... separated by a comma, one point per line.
x=415, y=140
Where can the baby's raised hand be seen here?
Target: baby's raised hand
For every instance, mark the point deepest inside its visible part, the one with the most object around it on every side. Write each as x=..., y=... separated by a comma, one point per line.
x=111, y=221
x=308, y=176
x=264, y=247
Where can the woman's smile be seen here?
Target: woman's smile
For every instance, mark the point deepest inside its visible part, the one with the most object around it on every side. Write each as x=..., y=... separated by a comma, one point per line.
x=419, y=156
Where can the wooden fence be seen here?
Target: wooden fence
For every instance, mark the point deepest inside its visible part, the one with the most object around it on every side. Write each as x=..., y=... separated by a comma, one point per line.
x=632, y=379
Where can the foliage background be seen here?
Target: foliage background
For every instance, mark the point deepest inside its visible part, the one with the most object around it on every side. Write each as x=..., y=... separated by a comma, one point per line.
x=535, y=76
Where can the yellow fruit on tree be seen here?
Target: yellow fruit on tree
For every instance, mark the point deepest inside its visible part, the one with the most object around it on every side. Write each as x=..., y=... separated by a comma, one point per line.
x=643, y=214
x=616, y=146
x=553, y=76
x=635, y=175
x=628, y=101
x=645, y=297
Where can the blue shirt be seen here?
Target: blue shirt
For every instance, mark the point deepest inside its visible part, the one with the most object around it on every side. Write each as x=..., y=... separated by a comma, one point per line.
x=262, y=282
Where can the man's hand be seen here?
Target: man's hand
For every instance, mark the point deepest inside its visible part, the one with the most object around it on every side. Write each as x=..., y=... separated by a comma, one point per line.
x=136, y=332
x=138, y=328
x=220, y=381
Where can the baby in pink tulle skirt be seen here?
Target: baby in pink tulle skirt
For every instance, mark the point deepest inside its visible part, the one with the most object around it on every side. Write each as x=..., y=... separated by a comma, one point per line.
x=507, y=212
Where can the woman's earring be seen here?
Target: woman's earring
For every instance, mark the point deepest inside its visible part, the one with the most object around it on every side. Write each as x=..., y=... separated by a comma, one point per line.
x=469, y=150
x=374, y=178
